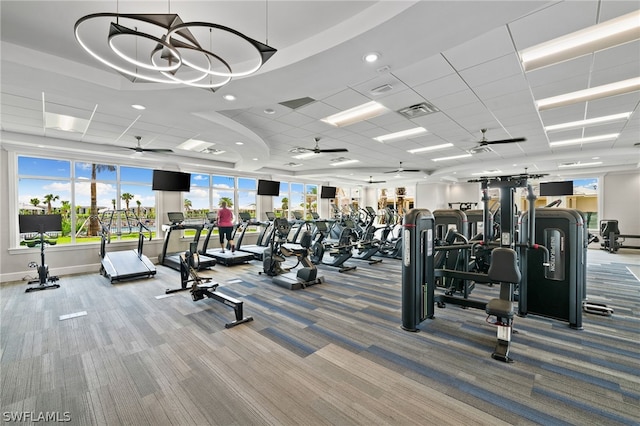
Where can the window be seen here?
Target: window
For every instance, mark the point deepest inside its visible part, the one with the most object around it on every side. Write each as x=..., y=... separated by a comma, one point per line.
x=196, y=201
x=281, y=202
x=311, y=200
x=96, y=192
x=223, y=190
x=84, y=194
x=247, y=196
x=44, y=187
x=296, y=197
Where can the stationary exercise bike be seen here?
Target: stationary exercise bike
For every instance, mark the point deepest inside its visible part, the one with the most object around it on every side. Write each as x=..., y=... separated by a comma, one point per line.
x=41, y=224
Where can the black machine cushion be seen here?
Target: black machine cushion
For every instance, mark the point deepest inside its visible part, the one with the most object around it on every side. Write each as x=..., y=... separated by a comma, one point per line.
x=306, y=239
x=503, y=269
x=504, y=266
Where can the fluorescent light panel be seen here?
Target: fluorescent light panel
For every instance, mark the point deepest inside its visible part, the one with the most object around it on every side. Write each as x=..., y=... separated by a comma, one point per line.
x=487, y=172
x=606, y=90
x=580, y=141
x=305, y=155
x=453, y=157
x=593, y=163
x=356, y=114
x=430, y=148
x=342, y=163
x=589, y=122
x=617, y=31
x=66, y=123
x=194, y=145
x=402, y=134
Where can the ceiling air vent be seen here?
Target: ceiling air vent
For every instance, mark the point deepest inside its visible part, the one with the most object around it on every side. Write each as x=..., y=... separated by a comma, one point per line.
x=381, y=89
x=297, y=103
x=418, y=110
x=480, y=149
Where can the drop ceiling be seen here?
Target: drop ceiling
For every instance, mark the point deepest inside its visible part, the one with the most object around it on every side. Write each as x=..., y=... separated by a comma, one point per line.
x=460, y=57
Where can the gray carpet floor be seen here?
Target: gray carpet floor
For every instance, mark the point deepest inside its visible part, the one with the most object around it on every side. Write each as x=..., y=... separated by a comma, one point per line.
x=332, y=353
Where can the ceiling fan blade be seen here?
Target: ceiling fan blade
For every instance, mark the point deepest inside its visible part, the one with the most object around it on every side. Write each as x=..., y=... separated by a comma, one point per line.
x=157, y=150
x=411, y=170
x=332, y=150
x=394, y=171
x=504, y=141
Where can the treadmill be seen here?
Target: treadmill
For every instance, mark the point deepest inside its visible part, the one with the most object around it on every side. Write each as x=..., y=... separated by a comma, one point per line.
x=226, y=258
x=125, y=264
x=170, y=257
x=264, y=239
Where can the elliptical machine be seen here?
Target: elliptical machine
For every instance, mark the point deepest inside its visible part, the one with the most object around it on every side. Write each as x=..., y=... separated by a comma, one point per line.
x=274, y=256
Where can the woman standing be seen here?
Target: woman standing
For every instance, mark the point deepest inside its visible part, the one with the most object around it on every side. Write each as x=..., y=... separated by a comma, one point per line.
x=225, y=226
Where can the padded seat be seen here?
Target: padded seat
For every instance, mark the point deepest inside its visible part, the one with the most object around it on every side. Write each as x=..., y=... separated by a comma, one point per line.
x=503, y=269
x=500, y=308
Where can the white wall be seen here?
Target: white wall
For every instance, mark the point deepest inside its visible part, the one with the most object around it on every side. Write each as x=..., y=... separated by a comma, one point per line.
x=619, y=198
x=434, y=196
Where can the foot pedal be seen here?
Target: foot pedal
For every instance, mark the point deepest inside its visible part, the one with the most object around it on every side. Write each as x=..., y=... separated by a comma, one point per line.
x=597, y=308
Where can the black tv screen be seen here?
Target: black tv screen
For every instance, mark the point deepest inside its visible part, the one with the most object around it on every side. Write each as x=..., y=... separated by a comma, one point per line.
x=33, y=223
x=556, y=188
x=328, y=192
x=268, y=187
x=164, y=180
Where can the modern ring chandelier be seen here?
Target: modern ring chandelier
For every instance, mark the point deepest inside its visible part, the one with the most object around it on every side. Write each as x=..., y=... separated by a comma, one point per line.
x=161, y=48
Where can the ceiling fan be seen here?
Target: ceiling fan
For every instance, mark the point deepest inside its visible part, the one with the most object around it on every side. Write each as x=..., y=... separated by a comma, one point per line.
x=484, y=142
x=139, y=149
x=371, y=181
x=400, y=170
x=316, y=149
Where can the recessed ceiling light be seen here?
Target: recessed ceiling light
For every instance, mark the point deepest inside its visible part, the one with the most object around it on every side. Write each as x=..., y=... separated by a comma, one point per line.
x=356, y=114
x=137, y=106
x=402, y=134
x=343, y=162
x=606, y=90
x=589, y=122
x=269, y=111
x=429, y=148
x=305, y=155
x=579, y=164
x=590, y=139
x=598, y=37
x=255, y=159
x=595, y=158
x=239, y=143
x=65, y=123
x=195, y=145
x=371, y=57
x=453, y=157
x=229, y=97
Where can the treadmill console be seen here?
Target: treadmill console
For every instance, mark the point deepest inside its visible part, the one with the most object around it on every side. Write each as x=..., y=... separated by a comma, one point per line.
x=175, y=218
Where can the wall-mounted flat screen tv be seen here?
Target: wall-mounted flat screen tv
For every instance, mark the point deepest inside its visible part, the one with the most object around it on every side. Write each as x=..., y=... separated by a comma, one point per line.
x=268, y=187
x=328, y=192
x=33, y=223
x=164, y=180
x=556, y=188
